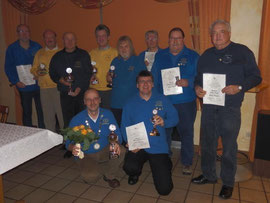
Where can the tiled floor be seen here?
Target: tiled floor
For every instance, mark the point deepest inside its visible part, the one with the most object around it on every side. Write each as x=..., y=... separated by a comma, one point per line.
x=51, y=178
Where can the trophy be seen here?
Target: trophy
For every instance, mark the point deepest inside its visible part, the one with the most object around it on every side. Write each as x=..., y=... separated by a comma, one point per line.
x=154, y=132
x=95, y=81
x=69, y=78
x=113, y=138
x=42, y=70
x=111, y=73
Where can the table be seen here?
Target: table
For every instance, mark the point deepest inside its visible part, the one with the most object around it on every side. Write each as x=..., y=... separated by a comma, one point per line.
x=19, y=144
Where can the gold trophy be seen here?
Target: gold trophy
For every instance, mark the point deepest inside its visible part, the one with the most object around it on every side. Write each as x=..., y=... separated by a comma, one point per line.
x=95, y=81
x=113, y=138
x=154, y=132
x=69, y=78
x=42, y=70
x=111, y=72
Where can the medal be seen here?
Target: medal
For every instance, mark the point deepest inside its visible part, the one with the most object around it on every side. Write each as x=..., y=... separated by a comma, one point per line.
x=96, y=146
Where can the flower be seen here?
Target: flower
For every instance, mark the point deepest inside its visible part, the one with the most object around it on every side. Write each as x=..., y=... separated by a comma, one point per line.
x=80, y=134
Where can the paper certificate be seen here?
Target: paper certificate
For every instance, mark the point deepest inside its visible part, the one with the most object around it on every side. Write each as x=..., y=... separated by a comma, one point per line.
x=169, y=77
x=150, y=58
x=137, y=136
x=213, y=84
x=24, y=74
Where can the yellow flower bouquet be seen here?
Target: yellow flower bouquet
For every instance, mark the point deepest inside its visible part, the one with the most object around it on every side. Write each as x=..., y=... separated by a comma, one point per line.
x=80, y=134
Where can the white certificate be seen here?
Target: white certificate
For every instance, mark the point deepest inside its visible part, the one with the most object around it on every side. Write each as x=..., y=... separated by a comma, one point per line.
x=150, y=58
x=24, y=74
x=213, y=84
x=169, y=77
x=137, y=136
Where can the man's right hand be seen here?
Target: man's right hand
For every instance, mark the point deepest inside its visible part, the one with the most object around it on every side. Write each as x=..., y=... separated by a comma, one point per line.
x=62, y=81
x=20, y=85
x=109, y=77
x=75, y=150
x=135, y=150
x=200, y=92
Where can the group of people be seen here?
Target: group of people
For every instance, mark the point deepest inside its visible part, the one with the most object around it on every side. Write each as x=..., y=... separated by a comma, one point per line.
x=62, y=78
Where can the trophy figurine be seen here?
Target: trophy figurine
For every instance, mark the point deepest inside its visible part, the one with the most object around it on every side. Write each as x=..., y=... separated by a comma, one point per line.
x=42, y=70
x=111, y=73
x=113, y=138
x=154, y=132
x=69, y=78
x=95, y=80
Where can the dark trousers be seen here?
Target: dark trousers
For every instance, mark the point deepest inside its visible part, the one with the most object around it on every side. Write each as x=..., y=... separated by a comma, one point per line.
x=117, y=115
x=71, y=106
x=185, y=128
x=224, y=122
x=26, y=101
x=161, y=167
x=105, y=99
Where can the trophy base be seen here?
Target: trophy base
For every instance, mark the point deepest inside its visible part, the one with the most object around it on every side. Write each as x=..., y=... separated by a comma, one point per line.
x=113, y=155
x=154, y=132
x=109, y=85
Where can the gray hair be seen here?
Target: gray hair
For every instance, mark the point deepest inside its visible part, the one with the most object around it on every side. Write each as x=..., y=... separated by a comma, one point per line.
x=224, y=22
x=151, y=32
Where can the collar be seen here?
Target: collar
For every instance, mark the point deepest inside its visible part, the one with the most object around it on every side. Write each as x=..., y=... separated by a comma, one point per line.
x=47, y=49
x=94, y=120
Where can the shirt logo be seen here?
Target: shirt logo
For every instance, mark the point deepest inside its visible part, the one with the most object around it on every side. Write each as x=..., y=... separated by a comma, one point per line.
x=159, y=105
x=77, y=64
x=105, y=121
x=182, y=62
x=226, y=59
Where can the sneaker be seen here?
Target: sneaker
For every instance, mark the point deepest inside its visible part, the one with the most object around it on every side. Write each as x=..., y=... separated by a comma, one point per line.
x=186, y=170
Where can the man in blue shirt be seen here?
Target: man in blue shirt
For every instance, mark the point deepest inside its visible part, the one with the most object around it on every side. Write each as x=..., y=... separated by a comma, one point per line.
x=140, y=109
x=20, y=55
x=96, y=162
x=178, y=55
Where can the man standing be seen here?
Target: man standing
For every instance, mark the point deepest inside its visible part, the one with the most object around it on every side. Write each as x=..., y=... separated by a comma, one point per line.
x=19, y=58
x=102, y=58
x=237, y=64
x=179, y=56
x=71, y=69
x=148, y=56
x=140, y=108
x=50, y=97
x=96, y=162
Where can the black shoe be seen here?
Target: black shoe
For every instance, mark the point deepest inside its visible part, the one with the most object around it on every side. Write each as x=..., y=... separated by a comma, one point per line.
x=226, y=192
x=202, y=180
x=132, y=180
x=68, y=154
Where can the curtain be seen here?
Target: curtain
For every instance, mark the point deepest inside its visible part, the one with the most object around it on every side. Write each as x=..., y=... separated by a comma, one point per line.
x=263, y=96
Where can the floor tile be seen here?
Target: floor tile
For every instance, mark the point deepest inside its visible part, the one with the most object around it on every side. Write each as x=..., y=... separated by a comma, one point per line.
x=124, y=186
x=65, y=162
x=69, y=174
x=96, y=193
x=206, y=188
x=102, y=183
x=39, y=195
x=178, y=172
x=268, y=196
x=61, y=198
x=266, y=185
x=252, y=195
x=252, y=184
x=195, y=197
x=75, y=188
x=149, y=179
x=7, y=185
x=176, y=195
x=235, y=194
x=55, y=184
x=53, y=170
x=116, y=196
x=141, y=199
x=163, y=201
x=219, y=200
x=18, y=176
x=37, y=180
x=19, y=191
x=180, y=183
x=51, y=160
x=81, y=200
x=147, y=189
x=37, y=167
x=7, y=200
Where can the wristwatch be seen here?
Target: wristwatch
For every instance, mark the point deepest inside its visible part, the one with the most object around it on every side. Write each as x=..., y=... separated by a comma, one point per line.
x=240, y=87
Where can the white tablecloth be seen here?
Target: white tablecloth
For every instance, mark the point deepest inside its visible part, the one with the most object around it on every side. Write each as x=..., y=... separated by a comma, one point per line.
x=19, y=144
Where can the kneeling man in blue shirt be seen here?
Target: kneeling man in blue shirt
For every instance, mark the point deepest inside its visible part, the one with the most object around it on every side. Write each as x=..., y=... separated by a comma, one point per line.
x=140, y=109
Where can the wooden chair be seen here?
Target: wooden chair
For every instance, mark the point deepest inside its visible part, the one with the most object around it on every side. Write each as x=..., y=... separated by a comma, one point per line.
x=3, y=113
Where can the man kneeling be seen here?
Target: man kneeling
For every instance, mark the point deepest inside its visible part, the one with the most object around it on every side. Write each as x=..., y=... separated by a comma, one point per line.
x=96, y=162
x=151, y=108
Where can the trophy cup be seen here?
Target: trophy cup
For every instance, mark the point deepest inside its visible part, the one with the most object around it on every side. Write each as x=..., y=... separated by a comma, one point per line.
x=42, y=70
x=95, y=81
x=69, y=78
x=111, y=72
x=113, y=140
x=154, y=132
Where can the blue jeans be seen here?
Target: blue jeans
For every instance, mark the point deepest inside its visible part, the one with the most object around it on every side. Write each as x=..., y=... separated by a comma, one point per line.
x=224, y=122
x=26, y=101
x=185, y=128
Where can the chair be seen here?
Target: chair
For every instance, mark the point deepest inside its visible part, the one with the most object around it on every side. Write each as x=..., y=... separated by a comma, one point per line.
x=3, y=113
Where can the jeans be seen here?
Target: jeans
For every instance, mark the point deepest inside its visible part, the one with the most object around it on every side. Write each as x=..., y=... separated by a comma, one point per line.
x=185, y=128
x=26, y=101
x=224, y=122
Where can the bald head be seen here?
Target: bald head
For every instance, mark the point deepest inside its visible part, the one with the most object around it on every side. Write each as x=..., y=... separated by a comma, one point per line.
x=69, y=41
x=92, y=100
